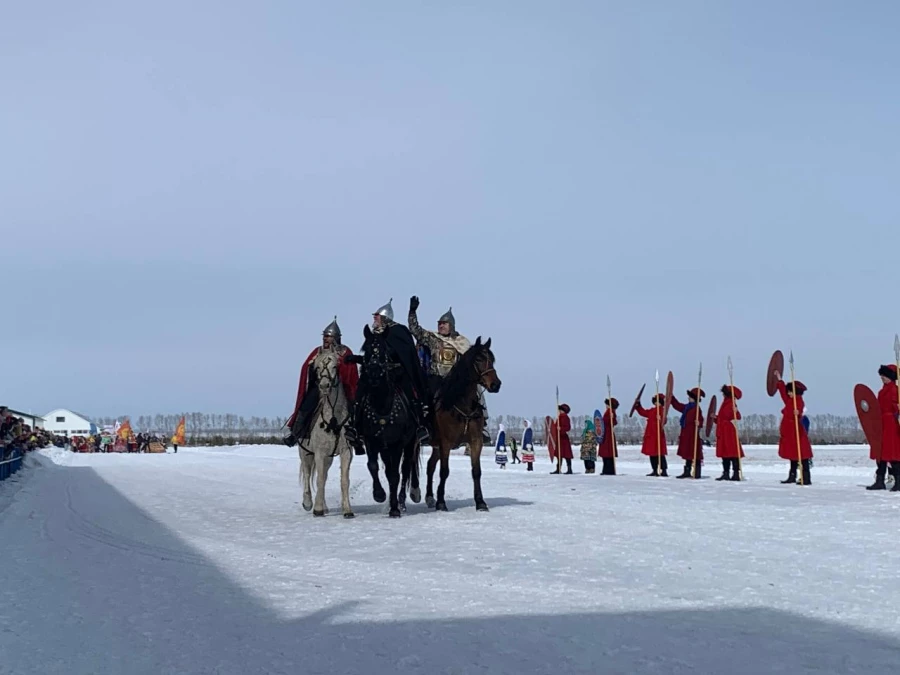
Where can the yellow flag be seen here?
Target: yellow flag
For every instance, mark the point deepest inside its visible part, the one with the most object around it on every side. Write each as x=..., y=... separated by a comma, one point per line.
x=125, y=433
x=178, y=438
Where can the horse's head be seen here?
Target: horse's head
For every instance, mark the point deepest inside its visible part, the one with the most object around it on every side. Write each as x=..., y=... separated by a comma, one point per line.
x=376, y=361
x=483, y=362
x=327, y=369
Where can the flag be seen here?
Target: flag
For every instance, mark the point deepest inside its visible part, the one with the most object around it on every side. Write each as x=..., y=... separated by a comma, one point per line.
x=178, y=438
x=124, y=432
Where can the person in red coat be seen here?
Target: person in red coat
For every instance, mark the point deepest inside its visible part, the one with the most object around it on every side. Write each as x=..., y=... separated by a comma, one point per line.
x=307, y=391
x=691, y=424
x=562, y=426
x=606, y=451
x=792, y=396
x=655, y=436
x=890, y=430
x=728, y=444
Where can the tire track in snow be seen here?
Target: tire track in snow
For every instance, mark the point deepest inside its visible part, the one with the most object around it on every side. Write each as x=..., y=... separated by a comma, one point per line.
x=79, y=524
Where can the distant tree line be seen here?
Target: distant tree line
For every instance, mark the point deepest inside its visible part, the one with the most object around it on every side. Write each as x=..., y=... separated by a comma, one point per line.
x=231, y=429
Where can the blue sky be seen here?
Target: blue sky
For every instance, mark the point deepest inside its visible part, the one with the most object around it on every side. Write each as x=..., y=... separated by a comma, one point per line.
x=190, y=191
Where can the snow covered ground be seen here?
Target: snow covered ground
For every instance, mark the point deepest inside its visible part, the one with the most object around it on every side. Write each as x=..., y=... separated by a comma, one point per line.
x=204, y=562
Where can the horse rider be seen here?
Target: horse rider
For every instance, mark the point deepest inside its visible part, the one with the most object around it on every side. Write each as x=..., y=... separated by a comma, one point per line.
x=402, y=349
x=308, y=389
x=445, y=346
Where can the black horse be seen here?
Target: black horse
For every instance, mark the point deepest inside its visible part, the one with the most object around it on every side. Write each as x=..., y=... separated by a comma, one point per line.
x=385, y=418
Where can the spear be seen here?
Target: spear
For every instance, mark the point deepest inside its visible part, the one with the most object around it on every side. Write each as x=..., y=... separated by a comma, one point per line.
x=697, y=422
x=612, y=425
x=737, y=433
x=796, y=419
x=558, y=448
x=897, y=360
x=658, y=447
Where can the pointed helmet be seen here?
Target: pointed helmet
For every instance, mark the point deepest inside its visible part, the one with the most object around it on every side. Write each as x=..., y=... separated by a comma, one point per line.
x=386, y=311
x=449, y=318
x=333, y=330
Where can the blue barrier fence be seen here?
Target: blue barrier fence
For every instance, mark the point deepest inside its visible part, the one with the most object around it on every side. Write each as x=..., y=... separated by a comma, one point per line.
x=10, y=465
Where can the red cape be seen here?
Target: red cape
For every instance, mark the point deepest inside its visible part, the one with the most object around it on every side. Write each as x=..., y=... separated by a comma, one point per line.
x=346, y=371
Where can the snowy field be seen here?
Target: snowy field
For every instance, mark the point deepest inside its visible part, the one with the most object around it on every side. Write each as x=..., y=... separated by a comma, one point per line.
x=204, y=562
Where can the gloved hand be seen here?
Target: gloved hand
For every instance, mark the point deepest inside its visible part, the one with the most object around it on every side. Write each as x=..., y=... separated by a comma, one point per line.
x=413, y=303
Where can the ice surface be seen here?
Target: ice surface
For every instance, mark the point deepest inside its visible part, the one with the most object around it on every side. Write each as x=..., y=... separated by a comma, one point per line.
x=204, y=562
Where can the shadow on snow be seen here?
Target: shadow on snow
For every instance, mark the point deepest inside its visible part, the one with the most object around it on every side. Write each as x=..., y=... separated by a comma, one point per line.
x=154, y=605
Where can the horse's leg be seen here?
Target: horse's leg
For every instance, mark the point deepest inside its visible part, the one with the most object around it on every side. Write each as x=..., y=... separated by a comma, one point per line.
x=306, y=467
x=441, y=505
x=415, y=493
x=475, y=450
x=372, y=463
x=429, y=474
x=408, y=471
x=346, y=459
x=404, y=479
x=392, y=469
x=329, y=460
x=321, y=470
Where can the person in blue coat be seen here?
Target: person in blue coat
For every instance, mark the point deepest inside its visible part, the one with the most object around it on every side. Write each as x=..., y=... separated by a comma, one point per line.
x=500, y=450
x=528, y=446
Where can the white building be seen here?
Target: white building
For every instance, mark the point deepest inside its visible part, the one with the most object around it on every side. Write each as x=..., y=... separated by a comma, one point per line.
x=67, y=423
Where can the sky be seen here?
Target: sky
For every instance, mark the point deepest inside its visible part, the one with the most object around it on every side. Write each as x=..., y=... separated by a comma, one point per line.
x=190, y=191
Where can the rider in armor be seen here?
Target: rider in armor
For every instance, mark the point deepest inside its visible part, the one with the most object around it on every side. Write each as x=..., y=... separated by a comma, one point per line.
x=403, y=351
x=308, y=391
x=445, y=346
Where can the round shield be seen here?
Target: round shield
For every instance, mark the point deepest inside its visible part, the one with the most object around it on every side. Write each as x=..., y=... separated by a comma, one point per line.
x=776, y=365
x=710, y=415
x=869, y=416
x=670, y=389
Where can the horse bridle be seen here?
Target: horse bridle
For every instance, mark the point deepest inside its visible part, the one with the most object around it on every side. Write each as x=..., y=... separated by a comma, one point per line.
x=331, y=425
x=385, y=369
x=477, y=410
x=482, y=373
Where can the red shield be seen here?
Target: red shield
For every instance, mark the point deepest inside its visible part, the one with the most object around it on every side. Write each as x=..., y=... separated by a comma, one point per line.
x=550, y=433
x=711, y=414
x=637, y=400
x=776, y=364
x=869, y=416
x=670, y=387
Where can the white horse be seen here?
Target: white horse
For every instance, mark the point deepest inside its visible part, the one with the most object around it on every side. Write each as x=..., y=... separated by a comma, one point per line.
x=327, y=437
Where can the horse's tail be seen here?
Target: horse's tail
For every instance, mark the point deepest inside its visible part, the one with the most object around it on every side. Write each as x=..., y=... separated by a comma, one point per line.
x=312, y=470
x=412, y=458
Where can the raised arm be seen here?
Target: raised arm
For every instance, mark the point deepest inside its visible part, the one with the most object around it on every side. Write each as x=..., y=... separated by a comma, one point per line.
x=426, y=337
x=782, y=389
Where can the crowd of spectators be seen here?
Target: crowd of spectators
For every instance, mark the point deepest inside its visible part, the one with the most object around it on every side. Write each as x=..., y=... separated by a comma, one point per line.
x=107, y=441
x=17, y=436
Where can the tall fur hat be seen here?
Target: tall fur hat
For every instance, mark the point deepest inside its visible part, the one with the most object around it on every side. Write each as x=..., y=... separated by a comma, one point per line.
x=726, y=391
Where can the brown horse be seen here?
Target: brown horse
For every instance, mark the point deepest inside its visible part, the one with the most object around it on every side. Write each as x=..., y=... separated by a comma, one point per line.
x=459, y=418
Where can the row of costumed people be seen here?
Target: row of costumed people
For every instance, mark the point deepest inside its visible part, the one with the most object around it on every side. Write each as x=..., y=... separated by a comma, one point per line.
x=598, y=437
